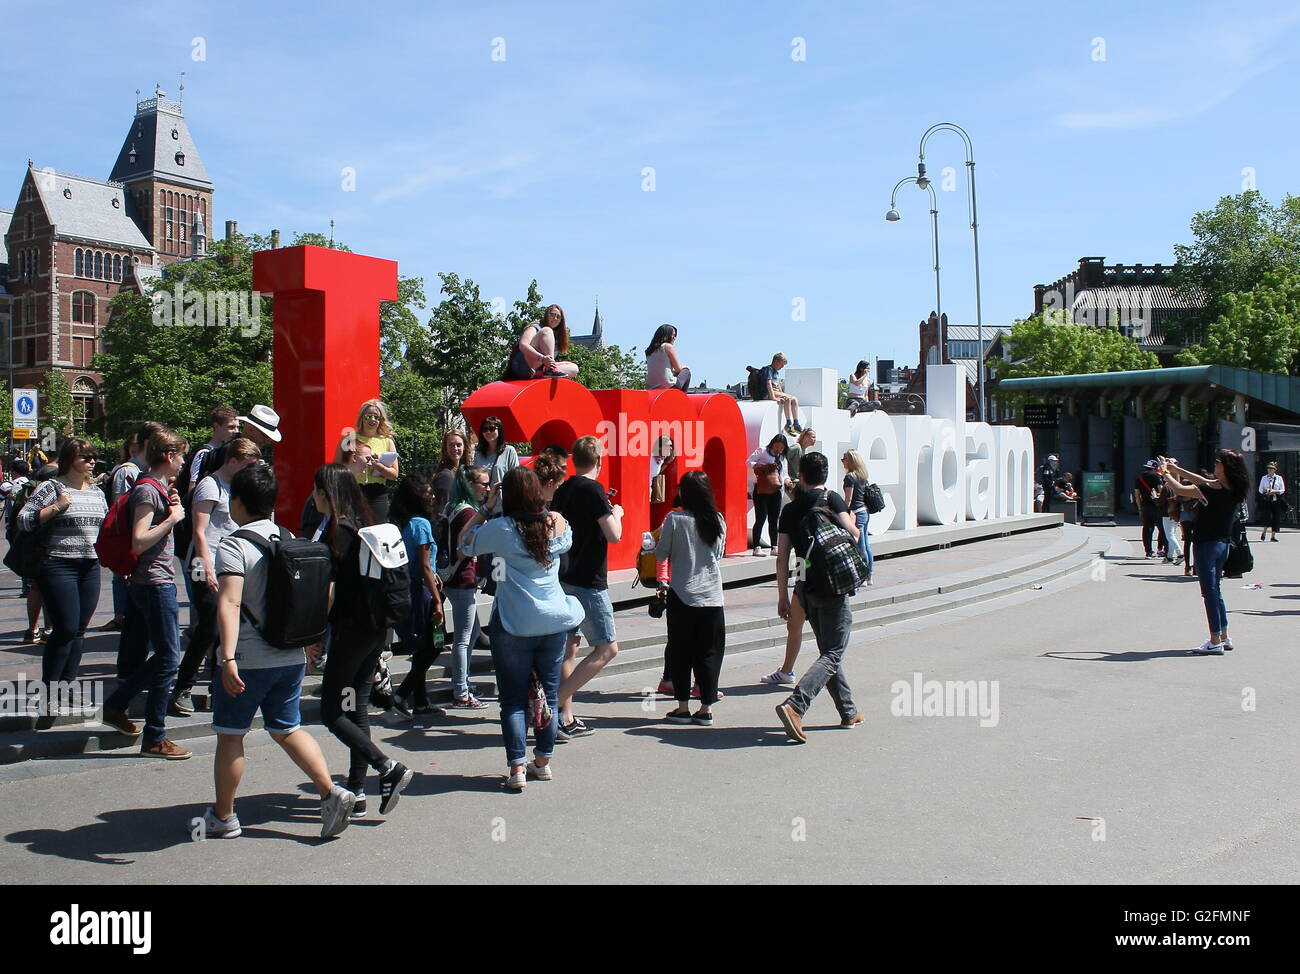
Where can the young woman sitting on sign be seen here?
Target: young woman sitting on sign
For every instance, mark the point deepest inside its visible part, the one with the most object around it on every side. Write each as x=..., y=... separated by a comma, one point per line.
x=534, y=354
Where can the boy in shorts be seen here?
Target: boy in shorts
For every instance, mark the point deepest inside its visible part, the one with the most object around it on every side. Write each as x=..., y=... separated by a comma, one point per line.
x=252, y=675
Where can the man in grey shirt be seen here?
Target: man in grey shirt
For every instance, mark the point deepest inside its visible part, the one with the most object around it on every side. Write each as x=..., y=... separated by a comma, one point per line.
x=254, y=675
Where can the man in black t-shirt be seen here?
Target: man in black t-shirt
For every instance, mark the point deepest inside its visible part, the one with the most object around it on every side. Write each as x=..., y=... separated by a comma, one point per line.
x=1047, y=474
x=830, y=615
x=583, y=574
x=1146, y=491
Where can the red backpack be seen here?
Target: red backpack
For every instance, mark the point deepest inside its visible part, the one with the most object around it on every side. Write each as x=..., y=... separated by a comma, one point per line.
x=113, y=546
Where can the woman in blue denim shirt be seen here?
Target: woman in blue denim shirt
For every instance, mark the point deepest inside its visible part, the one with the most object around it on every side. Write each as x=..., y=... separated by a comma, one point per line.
x=531, y=615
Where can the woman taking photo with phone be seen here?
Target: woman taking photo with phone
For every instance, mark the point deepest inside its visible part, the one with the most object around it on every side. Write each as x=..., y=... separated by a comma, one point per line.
x=531, y=616
x=768, y=465
x=1212, y=533
x=70, y=510
x=381, y=468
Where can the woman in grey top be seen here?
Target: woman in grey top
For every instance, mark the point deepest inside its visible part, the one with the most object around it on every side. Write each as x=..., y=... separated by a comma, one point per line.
x=496, y=456
x=693, y=540
x=68, y=510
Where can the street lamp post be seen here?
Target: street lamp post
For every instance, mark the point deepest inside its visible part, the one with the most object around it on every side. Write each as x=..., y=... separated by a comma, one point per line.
x=893, y=216
x=923, y=181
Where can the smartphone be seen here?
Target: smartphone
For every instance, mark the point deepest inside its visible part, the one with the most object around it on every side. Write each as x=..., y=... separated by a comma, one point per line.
x=611, y=492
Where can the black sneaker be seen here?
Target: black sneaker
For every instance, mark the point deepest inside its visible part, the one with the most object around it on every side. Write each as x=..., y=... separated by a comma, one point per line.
x=181, y=705
x=391, y=785
x=359, y=806
x=575, y=728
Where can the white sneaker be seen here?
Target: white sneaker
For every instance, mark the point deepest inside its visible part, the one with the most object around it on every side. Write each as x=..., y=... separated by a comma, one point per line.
x=532, y=770
x=1208, y=648
x=216, y=828
x=778, y=678
x=515, y=781
x=759, y=551
x=336, y=811
x=1227, y=642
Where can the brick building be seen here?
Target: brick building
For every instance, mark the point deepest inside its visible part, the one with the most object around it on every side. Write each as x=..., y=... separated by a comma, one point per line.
x=71, y=243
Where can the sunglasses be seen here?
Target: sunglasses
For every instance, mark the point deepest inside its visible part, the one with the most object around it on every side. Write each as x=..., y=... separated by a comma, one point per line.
x=88, y=458
x=370, y=416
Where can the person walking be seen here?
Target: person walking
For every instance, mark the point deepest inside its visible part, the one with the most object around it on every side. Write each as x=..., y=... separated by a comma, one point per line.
x=596, y=523
x=69, y=508
x=1212, y=534
x=768, y=465
x=531, y=617
x=355, y=641
x=856, y=482
x=1272, y=500
x=830, y=615
x=121, y=479
x=381, y=466
x=252, y=674
x=153, y=624
x=663, y=370
x=421, y=636
x=534, y=354
x=1146, y=497
x=692, y=541
x=210, y=512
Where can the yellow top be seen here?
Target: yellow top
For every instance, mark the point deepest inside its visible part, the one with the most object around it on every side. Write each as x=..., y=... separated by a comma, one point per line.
x=380, y=445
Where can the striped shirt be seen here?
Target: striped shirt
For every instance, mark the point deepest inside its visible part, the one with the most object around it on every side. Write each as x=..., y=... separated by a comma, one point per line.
x=71, y=534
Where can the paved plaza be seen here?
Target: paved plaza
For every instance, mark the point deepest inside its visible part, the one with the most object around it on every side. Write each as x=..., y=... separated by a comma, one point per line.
x=1111, y=756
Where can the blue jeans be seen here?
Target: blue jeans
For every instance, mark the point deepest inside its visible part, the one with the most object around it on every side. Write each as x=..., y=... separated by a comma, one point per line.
x=863, y=518
x=1210, y=557
x=70, y=588
x=154, y=625
x=832, y=624
x=515, y=658
x=465, y=630
x=120, y=597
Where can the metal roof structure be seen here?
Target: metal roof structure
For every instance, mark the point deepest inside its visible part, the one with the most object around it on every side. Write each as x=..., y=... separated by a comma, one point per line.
x=1200, y=382
x=87, y=209
x=159, y=145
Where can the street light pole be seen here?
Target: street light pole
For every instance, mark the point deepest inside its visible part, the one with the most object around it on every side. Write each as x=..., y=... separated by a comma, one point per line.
x=893, y=216
x=923, y=181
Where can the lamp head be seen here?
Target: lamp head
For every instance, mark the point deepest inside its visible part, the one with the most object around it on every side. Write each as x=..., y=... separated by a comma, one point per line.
x=892, y=216
x=922, y=180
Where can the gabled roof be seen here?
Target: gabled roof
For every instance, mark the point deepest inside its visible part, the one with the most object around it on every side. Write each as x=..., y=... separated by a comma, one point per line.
x=83, y=208
x=970, y=333
x=157, y=136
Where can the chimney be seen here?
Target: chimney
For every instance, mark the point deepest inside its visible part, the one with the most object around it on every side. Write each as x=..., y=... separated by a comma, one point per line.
x=275, y=239
x=231, y=229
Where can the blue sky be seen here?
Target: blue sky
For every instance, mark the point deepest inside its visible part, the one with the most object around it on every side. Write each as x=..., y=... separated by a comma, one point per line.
x=772, y=175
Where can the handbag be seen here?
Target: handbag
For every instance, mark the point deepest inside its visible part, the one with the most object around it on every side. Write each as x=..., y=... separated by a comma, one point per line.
x=539, y=711
x=767, y=478
x=1240, y=560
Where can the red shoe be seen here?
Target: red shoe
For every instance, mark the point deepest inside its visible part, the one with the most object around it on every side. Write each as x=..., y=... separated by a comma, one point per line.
x=695, y=692
x=665, y=687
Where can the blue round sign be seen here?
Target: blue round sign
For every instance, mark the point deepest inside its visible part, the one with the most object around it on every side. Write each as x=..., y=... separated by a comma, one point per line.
x=25, y=405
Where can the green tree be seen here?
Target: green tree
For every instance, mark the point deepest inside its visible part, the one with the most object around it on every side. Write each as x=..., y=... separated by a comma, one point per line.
x=56, y=397
x=157, y=367
x=1050, y=345
x=1236, y=245
x=1259, y=328
x=608, y=367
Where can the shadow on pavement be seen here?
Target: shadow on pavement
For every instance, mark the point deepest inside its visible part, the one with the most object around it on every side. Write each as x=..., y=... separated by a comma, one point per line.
x=130, y=832
x=1131, y=657
x=716, y=738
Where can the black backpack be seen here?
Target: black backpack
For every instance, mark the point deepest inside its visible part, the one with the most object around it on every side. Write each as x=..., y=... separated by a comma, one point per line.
x=832, y=564
x=388, y=595
x=183, y=533
x=757, y=387
x=297, y=590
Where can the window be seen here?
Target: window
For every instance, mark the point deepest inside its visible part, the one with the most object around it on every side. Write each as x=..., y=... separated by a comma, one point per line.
x=31, y=309
x=31, y=351
x=117, y=267
x=83, y=399
x=99, y=266
x=83, y=307
x=79, y=267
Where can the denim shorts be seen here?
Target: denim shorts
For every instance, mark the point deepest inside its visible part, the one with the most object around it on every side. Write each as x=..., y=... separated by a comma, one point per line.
x=598, y=626
x=275, y=690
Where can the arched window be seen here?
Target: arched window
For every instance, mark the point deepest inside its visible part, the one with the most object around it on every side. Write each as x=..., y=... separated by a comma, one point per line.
x=117, y=267
x=78, y=263
x=99, y=266
x=83, y=307
x=83, y=399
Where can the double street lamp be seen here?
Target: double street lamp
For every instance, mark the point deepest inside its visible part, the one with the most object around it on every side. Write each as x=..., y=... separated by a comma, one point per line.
x=893, y=216
x=924, y=182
